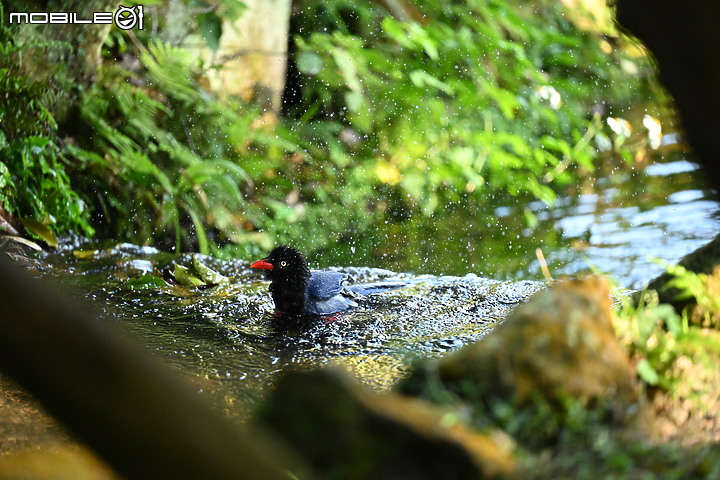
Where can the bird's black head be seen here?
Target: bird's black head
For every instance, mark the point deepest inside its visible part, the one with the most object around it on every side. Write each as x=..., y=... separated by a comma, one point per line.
x=284, y=261
x=289, y=274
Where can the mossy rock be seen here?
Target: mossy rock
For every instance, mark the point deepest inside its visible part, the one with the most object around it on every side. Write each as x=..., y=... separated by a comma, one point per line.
x=348, y=432
x=704, y=261
x=554, y=354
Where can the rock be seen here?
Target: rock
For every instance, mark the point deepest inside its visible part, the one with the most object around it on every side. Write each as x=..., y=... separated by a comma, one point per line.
x=347, y=432
x=560, y=344
x=705, y=261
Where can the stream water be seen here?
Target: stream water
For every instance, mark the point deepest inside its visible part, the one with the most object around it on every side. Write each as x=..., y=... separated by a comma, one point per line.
x=619, y=221
x=468, y=276
x=227, y=341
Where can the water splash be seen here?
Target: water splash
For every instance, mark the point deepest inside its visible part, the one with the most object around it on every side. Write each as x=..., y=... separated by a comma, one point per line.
x=229, y=343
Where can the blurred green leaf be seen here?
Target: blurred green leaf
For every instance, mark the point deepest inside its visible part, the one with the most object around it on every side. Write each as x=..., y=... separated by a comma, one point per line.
x=420, y=78
x=647, y=372
x=207, y=274
x=309, y=63
x=210, y=25
x=41, y=231
x=146, y=282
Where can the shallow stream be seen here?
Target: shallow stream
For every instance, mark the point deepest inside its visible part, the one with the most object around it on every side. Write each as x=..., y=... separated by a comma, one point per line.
x=228, y=343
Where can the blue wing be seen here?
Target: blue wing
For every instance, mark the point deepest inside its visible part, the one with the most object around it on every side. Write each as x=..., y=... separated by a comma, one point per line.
x=326, y=295
x=334, y=304
x=324, y=284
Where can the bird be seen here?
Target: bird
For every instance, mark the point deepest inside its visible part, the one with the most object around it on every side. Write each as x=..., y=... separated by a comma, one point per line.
x=297, y=290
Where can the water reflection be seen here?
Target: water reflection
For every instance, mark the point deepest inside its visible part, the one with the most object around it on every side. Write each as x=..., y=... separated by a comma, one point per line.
x=662, y=211
x=612, y=223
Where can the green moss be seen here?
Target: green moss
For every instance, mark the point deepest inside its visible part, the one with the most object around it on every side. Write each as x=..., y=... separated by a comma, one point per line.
x=35, y=175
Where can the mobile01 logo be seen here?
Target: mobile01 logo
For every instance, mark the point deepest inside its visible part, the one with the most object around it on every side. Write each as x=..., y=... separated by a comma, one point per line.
x=124, y=17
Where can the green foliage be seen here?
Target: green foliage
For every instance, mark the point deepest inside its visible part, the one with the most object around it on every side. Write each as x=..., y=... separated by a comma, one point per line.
x=484, y=99
x=536, y=423
x=656, y=334
x=167, y=158
x=35, y=183
x=651, y=332
x=691, y=285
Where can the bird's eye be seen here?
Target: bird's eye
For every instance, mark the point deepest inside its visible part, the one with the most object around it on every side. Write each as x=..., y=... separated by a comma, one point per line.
x=283, y=263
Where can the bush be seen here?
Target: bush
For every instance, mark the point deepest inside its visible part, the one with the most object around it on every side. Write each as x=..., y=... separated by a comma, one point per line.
x=485, y=98
x=395, y=119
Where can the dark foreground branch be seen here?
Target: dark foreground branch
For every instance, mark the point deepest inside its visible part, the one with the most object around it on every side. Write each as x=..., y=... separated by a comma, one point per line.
x=114, y=396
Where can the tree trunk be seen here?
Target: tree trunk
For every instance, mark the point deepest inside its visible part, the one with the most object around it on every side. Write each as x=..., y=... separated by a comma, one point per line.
x=253, y=54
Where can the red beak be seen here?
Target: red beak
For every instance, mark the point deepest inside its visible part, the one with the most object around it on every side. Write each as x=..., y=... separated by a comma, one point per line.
x=264, y=264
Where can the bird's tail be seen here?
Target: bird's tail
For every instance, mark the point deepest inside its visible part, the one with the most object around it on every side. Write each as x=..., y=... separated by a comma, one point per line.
x=375, y=287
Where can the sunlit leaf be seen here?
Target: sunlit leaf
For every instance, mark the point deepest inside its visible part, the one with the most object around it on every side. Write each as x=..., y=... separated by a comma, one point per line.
x=348, y=69
x=309, y=63
x=184, y=277
x=207, y=274
x=654, y=128
x=85, y=254
x=647, y=373
x=422, y=79
x=41, y=231
x=619, y=126
x=24, y=241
